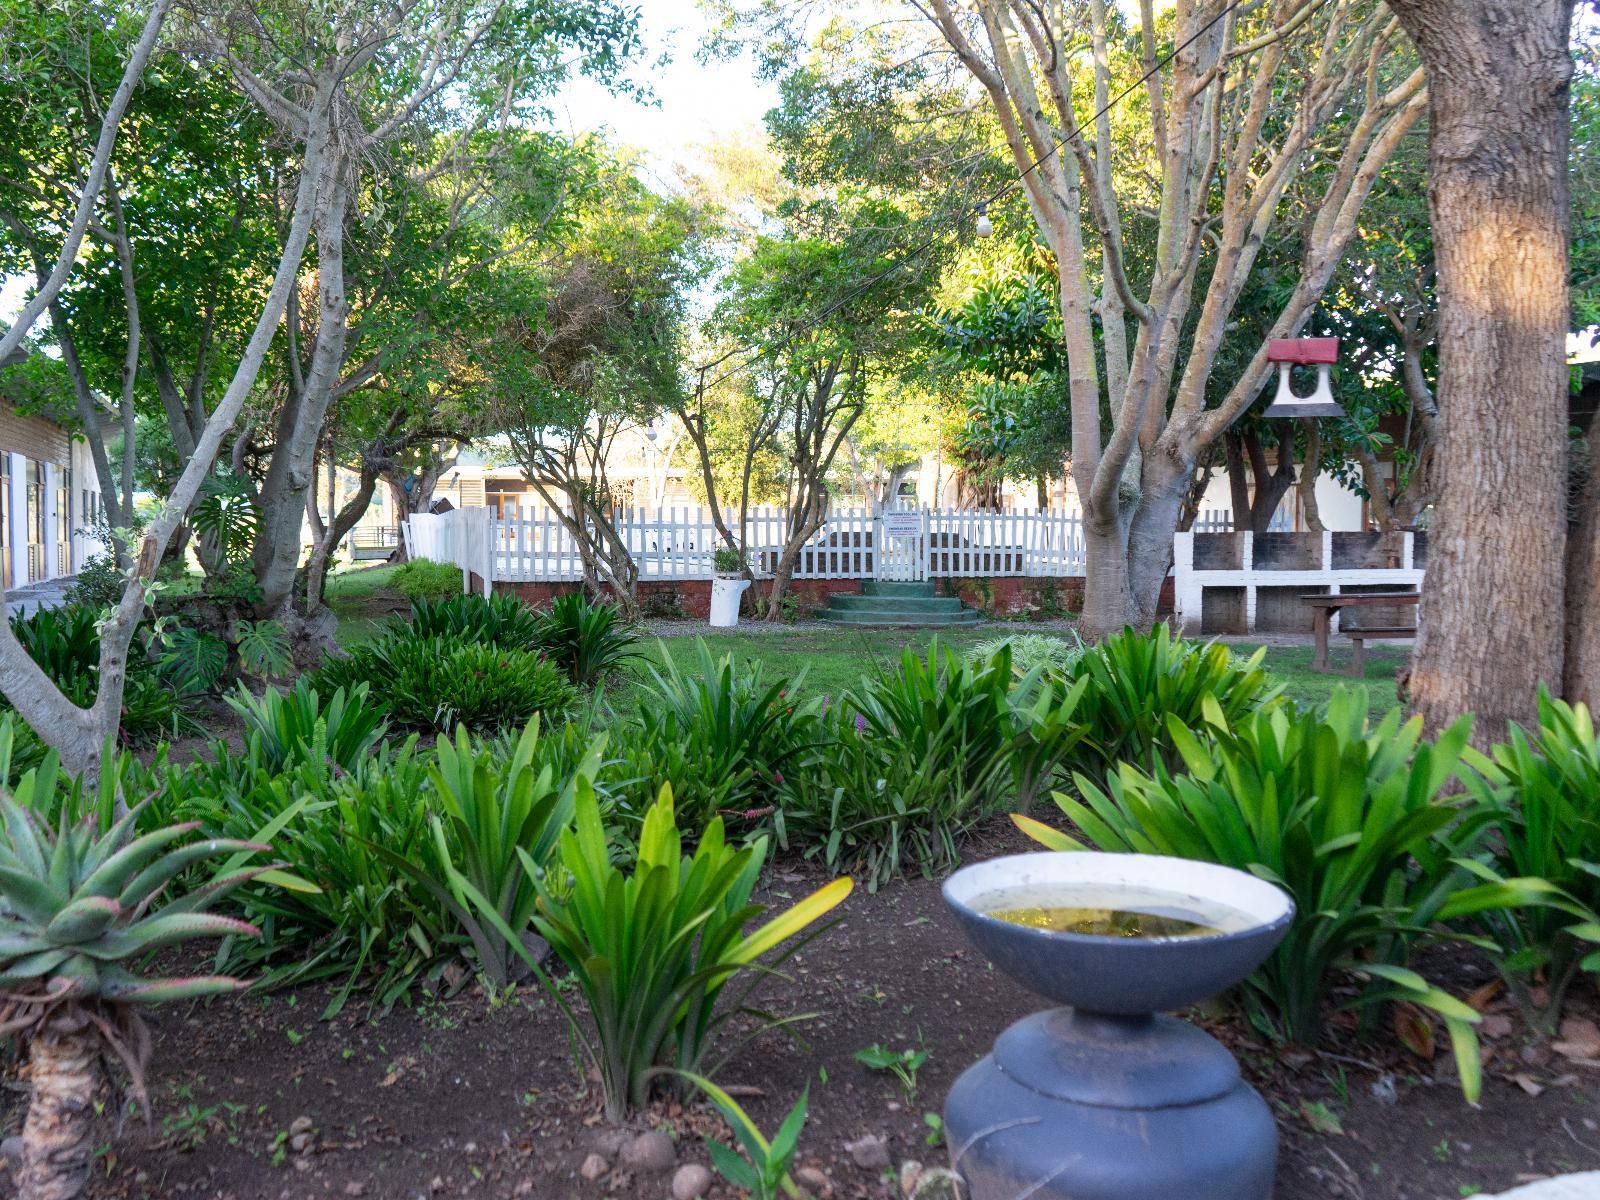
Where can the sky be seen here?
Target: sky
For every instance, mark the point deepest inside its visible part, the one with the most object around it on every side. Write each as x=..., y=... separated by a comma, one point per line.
x=696, y=103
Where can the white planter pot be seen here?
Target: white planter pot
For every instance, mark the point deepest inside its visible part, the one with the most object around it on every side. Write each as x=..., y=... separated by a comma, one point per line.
x=725, y=595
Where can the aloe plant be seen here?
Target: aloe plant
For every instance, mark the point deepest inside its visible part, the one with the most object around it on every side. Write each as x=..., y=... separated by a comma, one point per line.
x=80, y=910
x=296, y=726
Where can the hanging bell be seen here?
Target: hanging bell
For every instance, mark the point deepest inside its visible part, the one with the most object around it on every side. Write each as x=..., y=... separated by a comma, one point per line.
x=1319, y=352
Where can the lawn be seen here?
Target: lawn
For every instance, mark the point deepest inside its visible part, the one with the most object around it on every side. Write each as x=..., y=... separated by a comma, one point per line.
x=835, y=659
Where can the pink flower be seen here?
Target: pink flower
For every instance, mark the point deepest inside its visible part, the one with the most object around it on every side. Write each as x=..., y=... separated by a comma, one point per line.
x=861, y=723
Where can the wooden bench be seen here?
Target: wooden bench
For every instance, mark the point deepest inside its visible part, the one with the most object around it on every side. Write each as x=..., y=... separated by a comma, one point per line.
x=1324, y=607
x=1358, y=638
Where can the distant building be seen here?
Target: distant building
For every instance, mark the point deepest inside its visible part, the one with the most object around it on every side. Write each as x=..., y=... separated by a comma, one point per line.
x=49, y=494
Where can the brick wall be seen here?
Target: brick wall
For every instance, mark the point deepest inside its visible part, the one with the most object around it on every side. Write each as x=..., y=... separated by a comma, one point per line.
x=1001, y=596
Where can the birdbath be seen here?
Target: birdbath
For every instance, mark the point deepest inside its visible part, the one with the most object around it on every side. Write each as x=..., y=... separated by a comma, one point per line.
x=1105, y=1099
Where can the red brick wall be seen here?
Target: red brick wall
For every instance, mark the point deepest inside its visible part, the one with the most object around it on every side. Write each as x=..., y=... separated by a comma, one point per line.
x=1006, y=594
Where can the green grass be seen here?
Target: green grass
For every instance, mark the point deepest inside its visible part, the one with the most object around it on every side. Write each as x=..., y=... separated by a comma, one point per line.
x=834, y=660
x=356, y=585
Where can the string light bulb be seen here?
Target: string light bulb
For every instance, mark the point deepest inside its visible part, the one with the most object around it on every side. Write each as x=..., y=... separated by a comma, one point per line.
x=985, y=227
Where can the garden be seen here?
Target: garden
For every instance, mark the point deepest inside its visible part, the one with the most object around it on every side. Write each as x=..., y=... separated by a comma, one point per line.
x=505, y=902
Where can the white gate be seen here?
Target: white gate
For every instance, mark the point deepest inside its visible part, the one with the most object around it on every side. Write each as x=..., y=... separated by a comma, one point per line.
x=901, y=543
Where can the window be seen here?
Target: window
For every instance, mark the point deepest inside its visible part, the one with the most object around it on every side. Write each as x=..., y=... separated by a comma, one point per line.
x=63, y=521
x=34, y=482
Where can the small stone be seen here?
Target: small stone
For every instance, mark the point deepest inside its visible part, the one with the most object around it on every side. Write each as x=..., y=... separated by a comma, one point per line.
x=470, y=1148
x=938, y=1183
x=910, y=1172
x=299, y=1142
x=814, y=1180
x=302, y=1164
x=611, y=1141
x=690, y=1181
x=537, y=948
x=651, y=1152
x=593, y=1167
x=436, y=1185
x=300, y=1125
x=353, y=1188
x=868, y=1152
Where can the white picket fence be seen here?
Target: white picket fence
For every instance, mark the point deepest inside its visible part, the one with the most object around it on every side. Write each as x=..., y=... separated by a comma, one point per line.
x=678, y=543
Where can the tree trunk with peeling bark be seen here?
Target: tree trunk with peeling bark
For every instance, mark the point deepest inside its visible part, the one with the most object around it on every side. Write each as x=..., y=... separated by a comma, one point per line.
x=1492, y=618
x=63, y=1084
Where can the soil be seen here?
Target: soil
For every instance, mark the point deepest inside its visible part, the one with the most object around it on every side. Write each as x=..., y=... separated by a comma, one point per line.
x=472, y=1095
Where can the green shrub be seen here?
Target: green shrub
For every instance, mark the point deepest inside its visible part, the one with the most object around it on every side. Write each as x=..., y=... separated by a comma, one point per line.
x=438, y=683
x=722, y=736
x=1139, y=683
x=502, y=621
x=584, y=639
x=1354, y=822
x=65, y=642
x=296, y=727
x=495, y=823
x=725, y=560
x=652, y=949
x=1031, y=652
x=1543, y=791
x=98, y=584
x=913, y=759
x=420, y=578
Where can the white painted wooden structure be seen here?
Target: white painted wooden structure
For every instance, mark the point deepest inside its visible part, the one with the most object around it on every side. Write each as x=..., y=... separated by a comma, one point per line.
x=678, y=543
x=1191, y=582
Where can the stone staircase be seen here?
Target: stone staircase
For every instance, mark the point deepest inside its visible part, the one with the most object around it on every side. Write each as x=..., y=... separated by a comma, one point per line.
x=896, y=604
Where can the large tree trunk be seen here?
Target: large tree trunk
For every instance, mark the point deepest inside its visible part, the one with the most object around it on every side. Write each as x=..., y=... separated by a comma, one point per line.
x=64, y=1078
x=1491, y=626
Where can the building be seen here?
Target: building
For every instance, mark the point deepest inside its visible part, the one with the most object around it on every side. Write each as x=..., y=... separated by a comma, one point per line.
x=49, y=494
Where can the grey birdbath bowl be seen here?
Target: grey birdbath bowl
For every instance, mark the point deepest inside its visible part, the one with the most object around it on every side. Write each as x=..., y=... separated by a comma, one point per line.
x=1104, y=1099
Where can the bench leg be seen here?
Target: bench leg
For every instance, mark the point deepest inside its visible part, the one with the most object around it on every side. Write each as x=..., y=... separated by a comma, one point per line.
x=1358, y=666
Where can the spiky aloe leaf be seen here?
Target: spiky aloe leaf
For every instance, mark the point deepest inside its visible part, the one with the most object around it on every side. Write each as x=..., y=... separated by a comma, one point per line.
x=15, y=945
x=164, y=930
x=34, y=965
x=159, y=991
x=112, y=875
x=219, y=887
x=30, y=896
x=166, y=868
x=83, y=920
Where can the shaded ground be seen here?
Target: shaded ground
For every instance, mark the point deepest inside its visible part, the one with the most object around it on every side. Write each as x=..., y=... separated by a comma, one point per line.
x=474, y=1096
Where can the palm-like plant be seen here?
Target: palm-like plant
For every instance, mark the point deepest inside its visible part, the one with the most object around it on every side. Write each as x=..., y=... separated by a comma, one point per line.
x=79, y=908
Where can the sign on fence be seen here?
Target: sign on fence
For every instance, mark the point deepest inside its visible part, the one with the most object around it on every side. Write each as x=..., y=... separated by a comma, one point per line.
x=902, y=524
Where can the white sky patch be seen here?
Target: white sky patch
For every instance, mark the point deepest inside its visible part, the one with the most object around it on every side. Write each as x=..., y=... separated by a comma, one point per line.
x=697, y=102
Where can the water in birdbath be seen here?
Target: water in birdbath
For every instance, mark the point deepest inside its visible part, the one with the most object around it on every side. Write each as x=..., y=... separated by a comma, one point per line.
x=1119, y=911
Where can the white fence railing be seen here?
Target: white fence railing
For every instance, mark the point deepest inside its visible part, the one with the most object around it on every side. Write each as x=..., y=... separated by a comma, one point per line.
x=678, y=543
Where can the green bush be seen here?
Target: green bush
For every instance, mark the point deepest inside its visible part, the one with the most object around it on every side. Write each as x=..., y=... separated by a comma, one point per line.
x=295, y=726
x=911, y=760
x=652, y=949
x=722, y=736
x=502, y=620
x=420, y=578
x=1140, y=683
x=98, y=583
x=345, y=914
x=1055, y=656
x=1354, y=822
x=65, y=642
x=495, y=823
x=584, y=639
x=1543, y=790
x=438, y=683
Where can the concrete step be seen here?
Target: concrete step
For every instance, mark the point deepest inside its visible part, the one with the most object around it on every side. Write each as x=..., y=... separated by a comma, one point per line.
x=873, y=587
x=928, y=604
x=897, y=616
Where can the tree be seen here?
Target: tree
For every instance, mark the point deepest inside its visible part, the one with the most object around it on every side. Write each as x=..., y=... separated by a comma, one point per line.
x=355, y=83
x=593, y=352
x=811, y=336
x=1499, y=74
